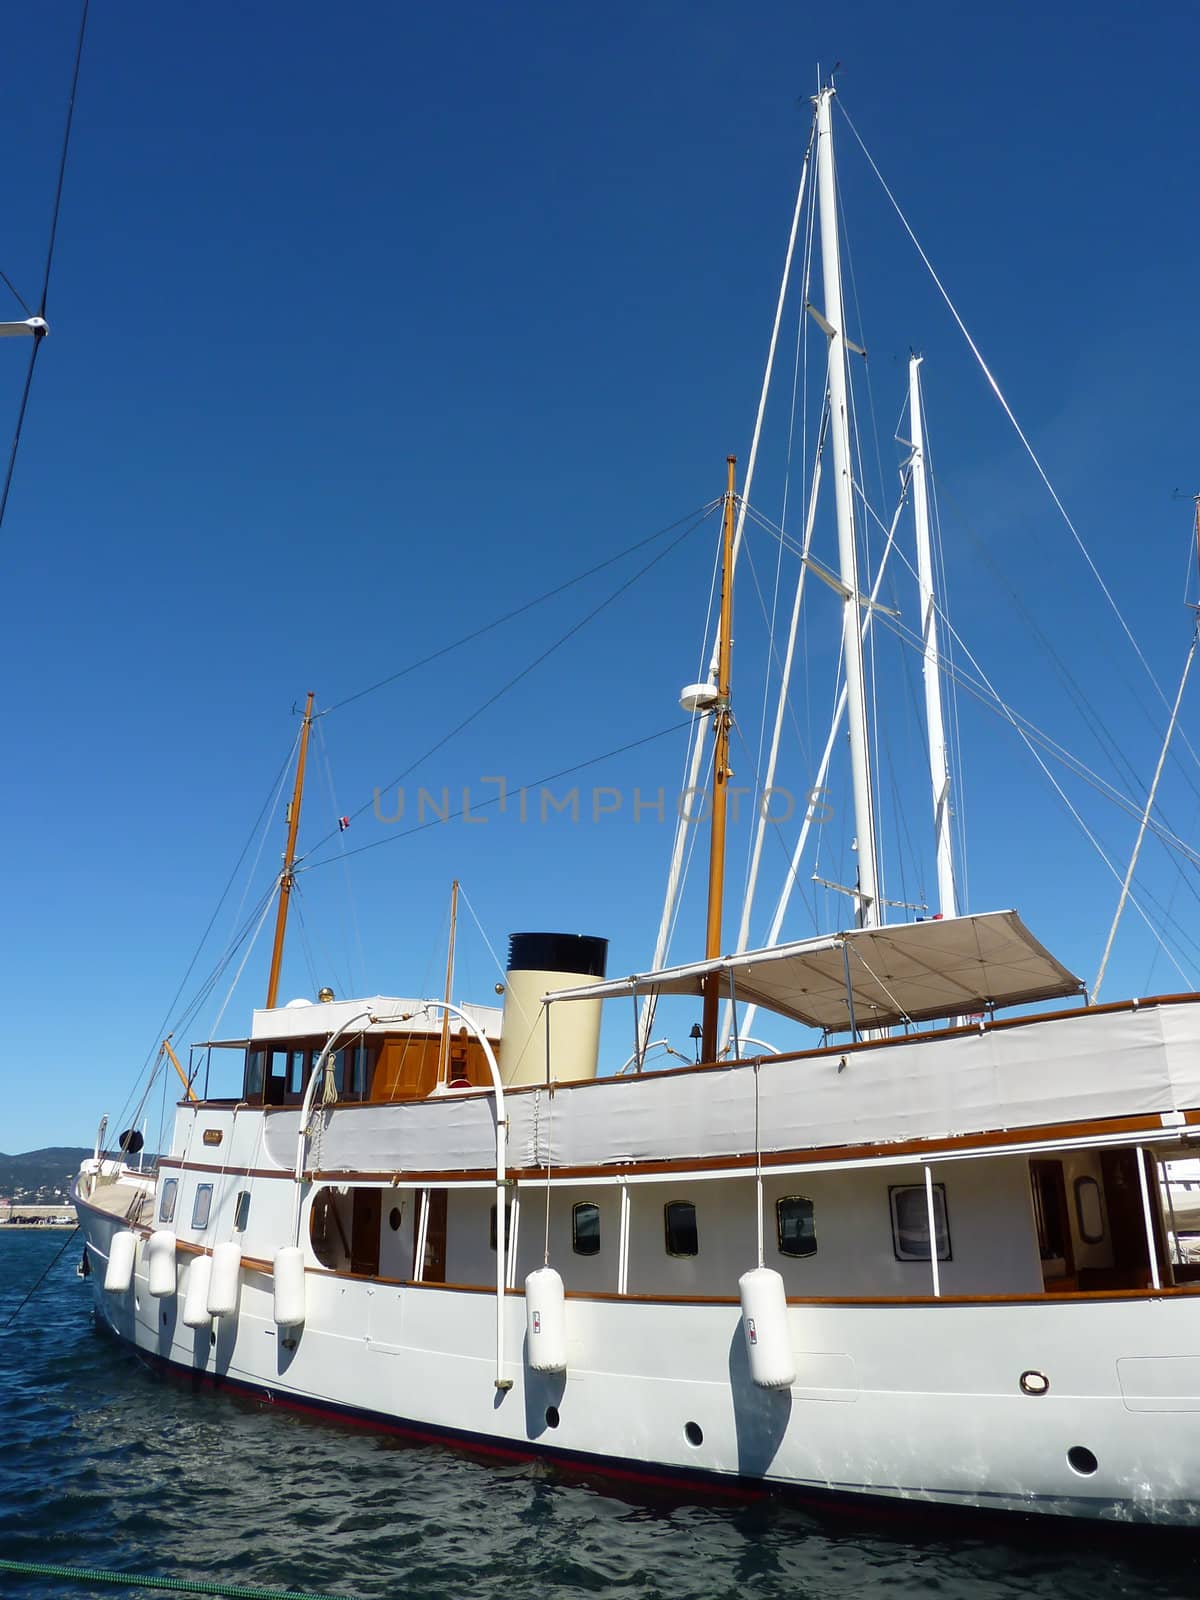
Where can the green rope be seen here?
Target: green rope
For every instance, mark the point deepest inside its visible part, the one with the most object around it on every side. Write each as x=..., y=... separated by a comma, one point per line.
x=134, y=1580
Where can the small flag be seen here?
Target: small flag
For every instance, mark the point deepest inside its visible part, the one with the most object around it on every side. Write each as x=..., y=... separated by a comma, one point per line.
x=343, y=824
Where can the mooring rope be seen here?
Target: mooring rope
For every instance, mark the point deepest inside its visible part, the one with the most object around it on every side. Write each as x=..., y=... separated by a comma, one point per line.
x=143, y=1580
x=58, y=1257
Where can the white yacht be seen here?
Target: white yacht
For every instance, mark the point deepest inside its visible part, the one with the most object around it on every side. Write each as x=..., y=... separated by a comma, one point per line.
x=928, y=1255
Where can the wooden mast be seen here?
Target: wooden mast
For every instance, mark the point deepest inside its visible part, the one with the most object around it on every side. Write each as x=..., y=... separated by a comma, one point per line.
x=289, y=856
x=722, y=717
x=444, y=1046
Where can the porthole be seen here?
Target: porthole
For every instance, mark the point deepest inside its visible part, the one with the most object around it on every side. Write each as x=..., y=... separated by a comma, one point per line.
x=682, y=1238
x=693, y=1433
x=585, y=1229
x=1081, y=1460
x=552, y=1416
x=202, y=1206
x=795, y=1227
x=1034, y=1383
x=394, y=1219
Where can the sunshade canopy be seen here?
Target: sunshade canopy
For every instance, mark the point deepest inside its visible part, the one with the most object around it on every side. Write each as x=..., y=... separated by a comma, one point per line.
x=913, y=972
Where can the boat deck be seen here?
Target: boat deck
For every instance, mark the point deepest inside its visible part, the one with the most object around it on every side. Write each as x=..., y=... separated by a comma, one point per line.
x=130, y=1199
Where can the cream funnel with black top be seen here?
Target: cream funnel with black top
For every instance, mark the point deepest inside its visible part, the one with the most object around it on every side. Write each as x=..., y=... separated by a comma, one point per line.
x=537, y=963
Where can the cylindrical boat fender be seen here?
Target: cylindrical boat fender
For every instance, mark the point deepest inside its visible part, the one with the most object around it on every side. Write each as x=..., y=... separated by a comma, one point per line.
x=289, y=1286
x=546, y=1321
x=765, y=1326
x=118, y=1274
x=224, y=1286
x=195, y=1301
x=160, y=1263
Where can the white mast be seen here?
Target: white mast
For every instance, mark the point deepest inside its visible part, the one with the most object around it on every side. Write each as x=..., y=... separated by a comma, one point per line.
x=939, y=760
x=833, y=323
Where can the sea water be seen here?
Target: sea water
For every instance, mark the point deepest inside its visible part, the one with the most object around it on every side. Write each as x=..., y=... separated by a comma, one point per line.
x=104, y=1465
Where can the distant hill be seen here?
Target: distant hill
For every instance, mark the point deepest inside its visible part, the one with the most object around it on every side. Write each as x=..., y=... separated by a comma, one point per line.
x=40, y=1177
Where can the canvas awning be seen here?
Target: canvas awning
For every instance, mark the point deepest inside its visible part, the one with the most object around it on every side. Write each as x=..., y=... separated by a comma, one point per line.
x=913, y=972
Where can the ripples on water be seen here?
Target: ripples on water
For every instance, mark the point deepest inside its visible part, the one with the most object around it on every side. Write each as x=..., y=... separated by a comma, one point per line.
x=104, y=1465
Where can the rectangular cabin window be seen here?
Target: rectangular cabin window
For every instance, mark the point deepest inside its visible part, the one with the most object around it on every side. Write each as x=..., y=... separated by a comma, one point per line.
x=679, y=1217
x=296, y=1076
x=796, y=1228
x=275, y=1082
x=255, y=1070
x=241, y=1211
x=585, y=1229
x=166, y=1206
x=507, y=1224
x=358, y=1073
x=910, y=1222
x=201, y=1206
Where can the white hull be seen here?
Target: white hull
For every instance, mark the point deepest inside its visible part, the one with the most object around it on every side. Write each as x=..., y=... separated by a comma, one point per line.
x=916, y=1402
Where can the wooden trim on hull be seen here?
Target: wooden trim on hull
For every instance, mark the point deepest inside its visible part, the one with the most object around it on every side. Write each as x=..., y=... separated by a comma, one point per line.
x=1049, y=1134
x=1075, y=1296
x=177, y=1162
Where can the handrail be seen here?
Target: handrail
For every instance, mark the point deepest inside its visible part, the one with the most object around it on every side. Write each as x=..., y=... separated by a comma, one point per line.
x=502, y=1383
x=318, y=1073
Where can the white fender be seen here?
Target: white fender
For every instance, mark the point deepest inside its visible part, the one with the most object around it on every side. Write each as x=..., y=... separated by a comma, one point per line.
x=225, y=1283
x=195, y=1301
x=289, y=1286
x=118, y=1274
x=160, y=1263
x=765, y=1326
x=546, y=1321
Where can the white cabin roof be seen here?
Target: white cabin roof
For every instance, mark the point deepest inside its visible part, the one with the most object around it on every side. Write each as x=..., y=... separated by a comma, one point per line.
x=912, y=972
x=377, y=1013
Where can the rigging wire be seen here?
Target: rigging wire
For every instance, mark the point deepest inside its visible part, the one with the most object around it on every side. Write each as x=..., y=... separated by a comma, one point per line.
x=276, y=783
x=62, y=162
x=949, y=668
x=679, y=844
x=1029, y=450
x=987, y=695
x=476, y=806
x=520, y=611
x=334, y=811
x=530, y=666
x=463, y=895
x=306, y=946
x=1133, y=860
x=1030, y=745
x=15, y=292
x=39, y=333
x=267, y=900
x=982, y=690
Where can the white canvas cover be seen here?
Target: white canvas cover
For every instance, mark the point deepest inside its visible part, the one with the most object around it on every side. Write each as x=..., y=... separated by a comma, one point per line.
x=912, y=972
x=1071, y=1069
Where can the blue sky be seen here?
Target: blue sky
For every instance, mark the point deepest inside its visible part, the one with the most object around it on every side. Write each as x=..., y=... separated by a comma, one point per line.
x=365, y=331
